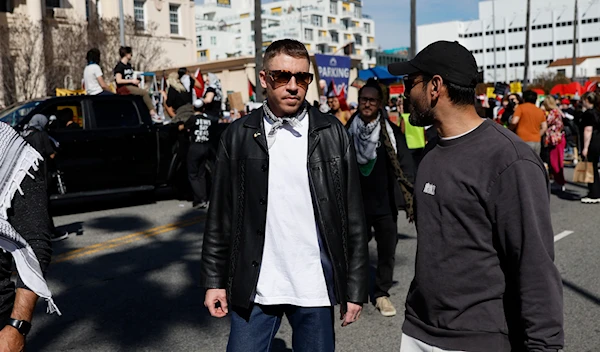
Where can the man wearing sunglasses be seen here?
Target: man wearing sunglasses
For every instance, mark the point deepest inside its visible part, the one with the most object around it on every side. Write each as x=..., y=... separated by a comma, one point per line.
x=485, y=279
x=286, y=232
x=387, y=175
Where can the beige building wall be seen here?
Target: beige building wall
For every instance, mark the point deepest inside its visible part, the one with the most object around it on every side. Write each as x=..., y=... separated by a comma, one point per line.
x=179, y=48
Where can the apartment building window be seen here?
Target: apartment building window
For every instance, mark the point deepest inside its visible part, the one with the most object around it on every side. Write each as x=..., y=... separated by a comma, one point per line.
x=139, y=14
x=198, y=41
x=598, y=71
x=562, y=72
x=333, y=7
x=317, y=20
x=174, y=18
x=335, y=37
x=358, y=39
x=357, y=11
x=213, y=40
x=308, y=34
x=368, y=28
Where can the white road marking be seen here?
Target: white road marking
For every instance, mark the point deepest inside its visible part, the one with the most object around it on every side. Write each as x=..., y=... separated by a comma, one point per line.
x=562, y=235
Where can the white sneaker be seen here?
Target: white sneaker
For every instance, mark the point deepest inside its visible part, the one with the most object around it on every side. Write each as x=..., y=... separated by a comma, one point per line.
x=385, y=306
x=588, y=200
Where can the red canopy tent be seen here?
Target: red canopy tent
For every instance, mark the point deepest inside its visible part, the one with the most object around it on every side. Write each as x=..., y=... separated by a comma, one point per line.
x=591, y=86
x=539, y=91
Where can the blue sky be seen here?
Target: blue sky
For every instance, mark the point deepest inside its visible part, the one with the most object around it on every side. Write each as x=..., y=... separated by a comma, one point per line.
x=392, y=17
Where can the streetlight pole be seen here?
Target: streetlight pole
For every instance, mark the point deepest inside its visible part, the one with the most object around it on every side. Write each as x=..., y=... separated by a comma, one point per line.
x=413, y=28
x=121, y=23
x=527, y=32
x=575, y=42
x=494, y=34
x=258, y=44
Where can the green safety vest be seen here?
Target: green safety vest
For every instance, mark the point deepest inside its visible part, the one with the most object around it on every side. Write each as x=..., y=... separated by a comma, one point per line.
x=415, y=136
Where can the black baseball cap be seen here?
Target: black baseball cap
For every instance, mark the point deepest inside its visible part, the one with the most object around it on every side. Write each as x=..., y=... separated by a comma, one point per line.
x=450, y=60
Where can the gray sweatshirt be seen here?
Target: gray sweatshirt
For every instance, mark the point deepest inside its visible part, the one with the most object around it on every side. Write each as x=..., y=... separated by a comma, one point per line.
x=485, y=278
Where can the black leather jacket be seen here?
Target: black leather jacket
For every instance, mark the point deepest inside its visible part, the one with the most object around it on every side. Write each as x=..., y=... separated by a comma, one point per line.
x=235, y=229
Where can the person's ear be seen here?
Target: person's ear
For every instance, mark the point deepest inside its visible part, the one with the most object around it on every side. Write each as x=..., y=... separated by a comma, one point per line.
x=263, y=79
x=437, y=83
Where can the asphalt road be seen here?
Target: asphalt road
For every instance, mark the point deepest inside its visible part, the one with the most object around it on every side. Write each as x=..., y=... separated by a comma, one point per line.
x=129, y=282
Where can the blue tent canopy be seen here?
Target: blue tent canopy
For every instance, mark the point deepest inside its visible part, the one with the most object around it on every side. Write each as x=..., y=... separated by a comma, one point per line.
x=380, y=72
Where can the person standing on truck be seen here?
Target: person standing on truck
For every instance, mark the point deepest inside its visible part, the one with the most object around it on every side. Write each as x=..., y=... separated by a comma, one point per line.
x=128, y=84
x=199, y=127
x=93, y=80
x=213, y=98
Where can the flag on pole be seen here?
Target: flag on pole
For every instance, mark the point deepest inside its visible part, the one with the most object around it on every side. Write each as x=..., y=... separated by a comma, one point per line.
x=198, y=77
x=251, y=91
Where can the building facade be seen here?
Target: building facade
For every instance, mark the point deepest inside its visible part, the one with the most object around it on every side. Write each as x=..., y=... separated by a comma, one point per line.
x=499, y=45
x=224, y=28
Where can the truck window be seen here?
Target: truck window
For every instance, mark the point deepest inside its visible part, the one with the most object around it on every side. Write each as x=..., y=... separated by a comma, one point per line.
x=65, y=115
x=13, y=115
x=116, y=113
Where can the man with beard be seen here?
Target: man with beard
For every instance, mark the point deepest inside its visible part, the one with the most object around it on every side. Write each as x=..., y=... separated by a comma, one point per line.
x=387, y=171
x=286, y=231
x=484, y=274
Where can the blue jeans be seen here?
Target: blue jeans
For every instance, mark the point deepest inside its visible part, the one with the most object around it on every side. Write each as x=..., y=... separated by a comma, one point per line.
x=253, y=330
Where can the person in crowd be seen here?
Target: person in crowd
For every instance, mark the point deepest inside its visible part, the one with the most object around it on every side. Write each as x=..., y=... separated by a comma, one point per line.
x=335, y=109
x=178, y=102
x=484, y=272
x=199, y=154
x=590, y=122
x=65, y=120
x=353, y=108
x=529, y=122
x=37, y=136
x=286, y=233
x=213, y=98
x=386, y=168
x=93, y=79
x=556, y=141
x=500, y=110
x=24, y=234
x=127, y=83
x=189, y=82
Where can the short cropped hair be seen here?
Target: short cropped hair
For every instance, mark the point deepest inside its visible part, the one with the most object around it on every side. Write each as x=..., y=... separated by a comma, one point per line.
x=288, y=47
x=530, y=96
x=93, y=56
x=124, y=50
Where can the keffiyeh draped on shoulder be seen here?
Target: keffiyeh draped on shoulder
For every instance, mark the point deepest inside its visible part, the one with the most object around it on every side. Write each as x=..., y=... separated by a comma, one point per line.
x=16, y=160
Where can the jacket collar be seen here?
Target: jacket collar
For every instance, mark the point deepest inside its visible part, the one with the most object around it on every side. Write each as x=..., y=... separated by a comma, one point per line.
x=316, y=120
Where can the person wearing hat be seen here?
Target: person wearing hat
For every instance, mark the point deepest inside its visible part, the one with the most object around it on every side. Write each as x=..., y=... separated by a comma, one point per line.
x=485, y=278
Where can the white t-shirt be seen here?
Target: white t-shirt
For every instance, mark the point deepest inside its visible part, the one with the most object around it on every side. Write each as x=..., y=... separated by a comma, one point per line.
x=291, y=271
x=90, y=79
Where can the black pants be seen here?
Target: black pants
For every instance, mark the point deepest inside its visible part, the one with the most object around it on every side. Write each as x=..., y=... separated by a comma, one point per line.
x=197, y=158
x=386, y=235
x=593, y=156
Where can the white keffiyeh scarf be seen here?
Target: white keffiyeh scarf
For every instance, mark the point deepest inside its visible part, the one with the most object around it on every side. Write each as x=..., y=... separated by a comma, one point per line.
x=278, y=122
x=16, y=159
x=366, y=138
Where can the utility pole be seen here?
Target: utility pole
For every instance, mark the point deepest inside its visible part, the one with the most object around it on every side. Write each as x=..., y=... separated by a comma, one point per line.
x=527, y=30
x=494, y=34
x=413, y=29
x=258, y=44
x=575, y=22
x=121, y=23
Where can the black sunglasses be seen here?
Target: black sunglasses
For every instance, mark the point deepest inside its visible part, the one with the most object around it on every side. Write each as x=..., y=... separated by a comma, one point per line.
x=282, y=77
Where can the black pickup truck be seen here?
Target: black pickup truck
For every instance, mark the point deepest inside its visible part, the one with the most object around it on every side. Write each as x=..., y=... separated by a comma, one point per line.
x=114, y=148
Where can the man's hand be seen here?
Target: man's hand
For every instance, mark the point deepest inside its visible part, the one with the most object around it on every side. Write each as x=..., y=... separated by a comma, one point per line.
x=584, y=153
x=214, y=296
x=136, y=81
x=11, y=340
x=352, y=314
